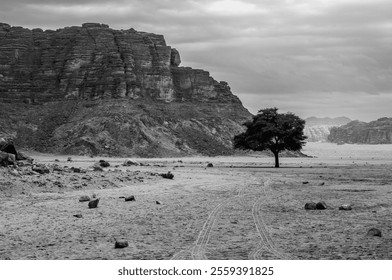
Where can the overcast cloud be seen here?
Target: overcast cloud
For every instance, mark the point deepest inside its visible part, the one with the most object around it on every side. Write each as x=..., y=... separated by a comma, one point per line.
x=311, y=57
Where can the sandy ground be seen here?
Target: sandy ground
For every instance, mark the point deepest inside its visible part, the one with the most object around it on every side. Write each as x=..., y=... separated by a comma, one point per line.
x=240, y=208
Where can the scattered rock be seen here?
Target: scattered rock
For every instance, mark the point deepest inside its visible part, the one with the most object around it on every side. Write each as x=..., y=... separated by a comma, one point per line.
x=311, y=206
x=322, y=184
x=40, y=168
x=69, y=159
x=210, y=165
x=121, y=244
x=84, y=198
x=345, y=207
x=306, y=182
x=130, y=198
x=167, y=175
x=93, y=203
x=321, y=205
x=6, y=159
x=76, y=170
x=78, y=215
x=97, y=168
x=104, y=163
x=157, y=202
x=374, y=232
x=56, y=160
x=130, y=162
x=14, y=172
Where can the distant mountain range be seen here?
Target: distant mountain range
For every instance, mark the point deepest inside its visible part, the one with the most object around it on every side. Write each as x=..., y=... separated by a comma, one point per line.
x=318, y=129
x=356, y=132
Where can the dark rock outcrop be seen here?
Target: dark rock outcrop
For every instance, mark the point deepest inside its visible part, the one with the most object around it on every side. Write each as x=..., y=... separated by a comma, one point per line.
x=356, y=132
x=94, y=90
x=93, y=203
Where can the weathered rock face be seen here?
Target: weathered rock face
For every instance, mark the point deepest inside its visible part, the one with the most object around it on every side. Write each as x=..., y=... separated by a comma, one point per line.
x=318, y=129
x=356, y=132
x=95, y=90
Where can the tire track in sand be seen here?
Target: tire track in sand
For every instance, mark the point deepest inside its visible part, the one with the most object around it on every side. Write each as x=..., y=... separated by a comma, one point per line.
x=266, y=240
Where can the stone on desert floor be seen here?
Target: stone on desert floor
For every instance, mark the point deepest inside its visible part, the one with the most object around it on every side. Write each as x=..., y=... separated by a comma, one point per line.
x=210, y=165
x=97, y=168
x=121, y=244
x=321, y=205
x=374, y=232
x=305, y=183
x=130, y=162
x=157, y=202
x=311, y=206
x=40, y=168
x=345, y=207
x=167, y=175
x=93, y=203
x=104, y=163
x=78, y=215
x=130, y=198
x=84, y=198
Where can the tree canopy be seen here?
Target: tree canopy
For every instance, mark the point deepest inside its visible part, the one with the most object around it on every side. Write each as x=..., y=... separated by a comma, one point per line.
x=272, y=131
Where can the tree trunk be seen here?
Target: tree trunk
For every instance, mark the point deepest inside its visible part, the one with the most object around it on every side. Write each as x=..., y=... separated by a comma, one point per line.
x=276, y=154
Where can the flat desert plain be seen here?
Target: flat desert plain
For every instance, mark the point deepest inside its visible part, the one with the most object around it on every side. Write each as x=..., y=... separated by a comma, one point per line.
x=241, y=208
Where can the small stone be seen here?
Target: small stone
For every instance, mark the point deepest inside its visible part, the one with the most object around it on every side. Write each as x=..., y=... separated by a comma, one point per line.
x=97, y=168
x=210, y=165
x=121, y=244
x=157, y=202
x=167, y=175
x=306, y=182
x=345, y=207
x=322, y=184
x=104, y=163
x=93, y=203
x=130, y=198
x=311, y=206
x=84, y=198
x=321, y=205
x=76, y=170
x=130, y=162
x=69, y=159
x=374, y=232
x=78, y=215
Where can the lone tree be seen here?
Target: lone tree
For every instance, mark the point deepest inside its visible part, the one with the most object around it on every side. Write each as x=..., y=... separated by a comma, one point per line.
x=272, y=131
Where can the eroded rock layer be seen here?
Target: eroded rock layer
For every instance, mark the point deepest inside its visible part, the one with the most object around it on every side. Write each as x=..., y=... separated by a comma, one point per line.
x=356, y=132
x=91, y=89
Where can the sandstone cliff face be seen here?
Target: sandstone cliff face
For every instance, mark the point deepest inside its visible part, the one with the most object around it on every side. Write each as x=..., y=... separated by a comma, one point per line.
x=318, y=129
x=356, y=132
x=92, y=89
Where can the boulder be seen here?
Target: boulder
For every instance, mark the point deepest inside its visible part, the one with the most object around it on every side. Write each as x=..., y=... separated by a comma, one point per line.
x=374, y=232
x=321, y=205
x=130, y=198
x=104, y=163
x=121, y=244
x=311, y=206
x=6, y=159
x=345, y=207
x=84, y=198
x=130, y=162
x=167, y=175
x=93, y=203
x=41, y=169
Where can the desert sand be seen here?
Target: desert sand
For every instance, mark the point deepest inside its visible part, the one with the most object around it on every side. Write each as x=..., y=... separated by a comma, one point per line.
x=241, y=208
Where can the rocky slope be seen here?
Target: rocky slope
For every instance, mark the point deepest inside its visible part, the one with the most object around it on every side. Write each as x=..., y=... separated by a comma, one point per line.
x=375, y=132
x=91, y=89
x=318, y=129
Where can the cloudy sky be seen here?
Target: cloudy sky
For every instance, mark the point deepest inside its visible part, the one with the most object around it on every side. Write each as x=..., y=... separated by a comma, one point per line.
x=311, y=57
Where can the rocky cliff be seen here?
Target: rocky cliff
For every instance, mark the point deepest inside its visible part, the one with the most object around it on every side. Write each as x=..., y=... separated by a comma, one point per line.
x=356, y=132
x=318, y=129
x=91, y=89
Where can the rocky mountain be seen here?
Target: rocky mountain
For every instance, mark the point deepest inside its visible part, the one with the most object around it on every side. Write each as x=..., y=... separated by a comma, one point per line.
x=318, y=129
x=93, y=90
x=375, y=132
